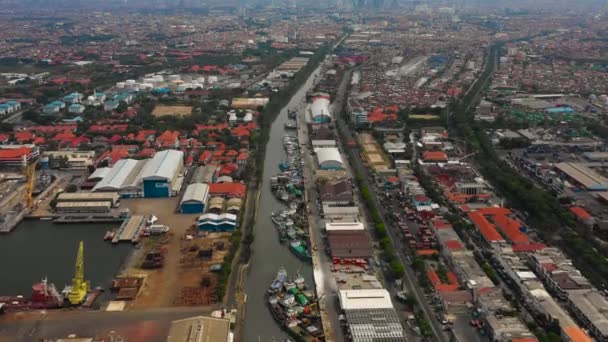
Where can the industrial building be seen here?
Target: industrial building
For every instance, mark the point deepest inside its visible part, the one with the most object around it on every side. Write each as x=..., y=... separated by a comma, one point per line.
x=228, y=189
x=584, y=176
x=357, y=114
x=348, y=240
x=82, y=207
x=205, y=174
x=319, y=110
x=370, y=315
x=74, y=160
x=123, y=177
x=317, y=144
x=233, y=205
x=217, y=223
x=99, y=174
x=200, y=329
x=337, y=193
x=17, y=156
x=329, y=159
x=194, y=199
x=161, y=175
x=109, y=197
x=587, y=304
x=216, y=205
x=348, y=214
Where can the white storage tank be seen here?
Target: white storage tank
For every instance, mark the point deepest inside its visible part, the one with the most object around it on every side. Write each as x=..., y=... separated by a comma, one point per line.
x=174, y=78
x=147, y=86
x=158, y=78
x=200, y=80
x=148, y=80
x=196, y=85
x=120, y=85
x=212, y=79
x=130, y=82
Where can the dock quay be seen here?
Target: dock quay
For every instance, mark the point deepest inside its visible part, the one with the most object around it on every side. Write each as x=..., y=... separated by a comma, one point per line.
x=66, y=219
x=130, y=229
x=11, y=221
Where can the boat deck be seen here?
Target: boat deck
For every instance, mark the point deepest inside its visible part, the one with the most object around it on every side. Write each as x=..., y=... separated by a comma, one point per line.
x=130, y=229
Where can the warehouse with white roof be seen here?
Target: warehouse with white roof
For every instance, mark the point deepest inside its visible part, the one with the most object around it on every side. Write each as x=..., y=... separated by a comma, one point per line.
x=100, y=174
x=194, y=199
x=123, y=177
x=161, y=175
x=370, y=315
x=319, y=110
x=329, y=159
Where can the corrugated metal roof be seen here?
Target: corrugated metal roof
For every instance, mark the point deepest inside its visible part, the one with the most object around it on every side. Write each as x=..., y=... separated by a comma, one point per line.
x=320, y=106
x=164, y=165
x=365, y=299
x=119, y=175
x=196, y=192
x=101, y=172
x=329, y=154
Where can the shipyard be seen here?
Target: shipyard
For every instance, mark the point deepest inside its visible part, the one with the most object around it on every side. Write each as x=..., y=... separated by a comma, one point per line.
x=291, y=170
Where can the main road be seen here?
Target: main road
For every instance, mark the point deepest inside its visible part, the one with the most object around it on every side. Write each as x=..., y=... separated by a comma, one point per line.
x=410, y=276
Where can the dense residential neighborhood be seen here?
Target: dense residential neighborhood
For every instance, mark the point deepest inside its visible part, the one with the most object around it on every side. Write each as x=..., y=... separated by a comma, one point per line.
x=303, y=171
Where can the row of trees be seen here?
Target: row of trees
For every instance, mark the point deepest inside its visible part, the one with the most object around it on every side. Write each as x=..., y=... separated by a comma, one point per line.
x=397, y=268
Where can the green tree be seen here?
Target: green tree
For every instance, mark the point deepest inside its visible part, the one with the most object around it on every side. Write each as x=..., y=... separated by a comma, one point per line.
x=397, y=269
x=71, y=188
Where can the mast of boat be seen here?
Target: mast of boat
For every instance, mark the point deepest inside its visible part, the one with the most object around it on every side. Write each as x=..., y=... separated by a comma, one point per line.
x=44, y=282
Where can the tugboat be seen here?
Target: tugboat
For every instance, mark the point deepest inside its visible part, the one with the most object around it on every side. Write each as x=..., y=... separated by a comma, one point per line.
x=298, y=248
x=291, y=114
x=295, y=308
x=278, y=282
x=109, y=235
x=291, y=124
x=44, y=296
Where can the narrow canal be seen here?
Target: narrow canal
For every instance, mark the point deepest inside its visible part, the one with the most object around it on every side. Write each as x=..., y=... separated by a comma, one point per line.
x=268, y=253
x=39, y=249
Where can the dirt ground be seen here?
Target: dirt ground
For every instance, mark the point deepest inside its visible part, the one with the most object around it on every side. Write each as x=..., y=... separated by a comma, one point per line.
x=183, y=268
x=172, y=110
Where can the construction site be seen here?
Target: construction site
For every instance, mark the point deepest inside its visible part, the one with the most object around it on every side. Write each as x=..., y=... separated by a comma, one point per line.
x=17, y=194
x=179, y=268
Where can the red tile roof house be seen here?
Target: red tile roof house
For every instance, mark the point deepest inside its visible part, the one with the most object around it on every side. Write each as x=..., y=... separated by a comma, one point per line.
x=241, y=159
x=168, y=139
x=4, y=138
x=24, y=137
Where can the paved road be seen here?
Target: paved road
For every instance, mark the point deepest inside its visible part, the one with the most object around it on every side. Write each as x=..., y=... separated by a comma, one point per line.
x=410, y=275
x=326, y=285
x=151, y=325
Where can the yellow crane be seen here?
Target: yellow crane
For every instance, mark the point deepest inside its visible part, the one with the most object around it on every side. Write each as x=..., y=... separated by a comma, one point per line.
x=30, y=174
x=80, y=287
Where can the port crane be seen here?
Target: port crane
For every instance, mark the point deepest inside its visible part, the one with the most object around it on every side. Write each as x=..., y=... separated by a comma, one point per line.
x=30, y=174
x=80, y=287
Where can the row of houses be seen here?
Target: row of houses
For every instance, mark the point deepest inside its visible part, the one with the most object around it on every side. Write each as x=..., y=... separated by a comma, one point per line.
x=504, y=236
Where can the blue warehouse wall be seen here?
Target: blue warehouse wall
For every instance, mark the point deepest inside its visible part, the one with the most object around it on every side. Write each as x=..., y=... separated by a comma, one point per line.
x=192, y=208
x=156, y=188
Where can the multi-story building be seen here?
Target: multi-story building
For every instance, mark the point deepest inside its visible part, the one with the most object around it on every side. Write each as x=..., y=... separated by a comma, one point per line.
x=357, y=114
x=587, y=305
x=15, y=156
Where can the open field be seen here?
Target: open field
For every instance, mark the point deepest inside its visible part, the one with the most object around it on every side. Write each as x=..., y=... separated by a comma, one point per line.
x=172, y=110
x=178, y=283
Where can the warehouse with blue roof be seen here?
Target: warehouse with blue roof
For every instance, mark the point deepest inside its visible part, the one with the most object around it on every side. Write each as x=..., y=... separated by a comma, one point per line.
x=217, y=223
